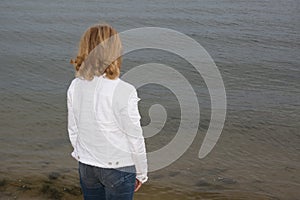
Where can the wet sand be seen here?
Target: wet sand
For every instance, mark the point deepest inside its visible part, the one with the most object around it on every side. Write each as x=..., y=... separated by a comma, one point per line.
x=57, y=186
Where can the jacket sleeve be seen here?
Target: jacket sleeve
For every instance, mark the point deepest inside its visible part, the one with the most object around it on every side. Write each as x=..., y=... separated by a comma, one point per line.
x=135, y=138
x=125, y=104
x=72, y=127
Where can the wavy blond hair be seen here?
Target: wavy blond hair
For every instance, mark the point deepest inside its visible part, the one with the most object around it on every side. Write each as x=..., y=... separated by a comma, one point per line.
x=99, y=52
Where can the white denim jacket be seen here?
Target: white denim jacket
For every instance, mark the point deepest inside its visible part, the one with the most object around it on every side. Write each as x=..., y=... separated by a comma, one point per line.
x=104, y=124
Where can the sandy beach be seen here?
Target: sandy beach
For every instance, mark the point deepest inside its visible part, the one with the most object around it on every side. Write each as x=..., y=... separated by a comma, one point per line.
x=56, y=186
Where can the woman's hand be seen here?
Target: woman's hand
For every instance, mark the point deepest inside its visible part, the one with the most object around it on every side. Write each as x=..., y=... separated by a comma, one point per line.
x=138, y=184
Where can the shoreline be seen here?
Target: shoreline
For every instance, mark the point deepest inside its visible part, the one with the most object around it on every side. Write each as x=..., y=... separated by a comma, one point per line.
x=60, y=187
x=251, y=157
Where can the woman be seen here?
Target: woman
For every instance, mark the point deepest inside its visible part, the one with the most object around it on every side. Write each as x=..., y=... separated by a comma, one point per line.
x=104, y=121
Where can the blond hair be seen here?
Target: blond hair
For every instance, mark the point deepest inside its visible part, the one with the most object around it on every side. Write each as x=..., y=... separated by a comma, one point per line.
x=99, y=52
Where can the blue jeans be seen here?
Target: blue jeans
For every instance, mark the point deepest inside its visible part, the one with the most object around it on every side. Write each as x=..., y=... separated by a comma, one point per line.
x=107, y=184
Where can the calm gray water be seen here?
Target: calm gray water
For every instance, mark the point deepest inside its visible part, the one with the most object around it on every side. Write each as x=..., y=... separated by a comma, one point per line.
x=255, y=45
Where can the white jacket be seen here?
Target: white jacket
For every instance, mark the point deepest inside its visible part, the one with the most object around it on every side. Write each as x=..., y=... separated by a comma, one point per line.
x=104, y=124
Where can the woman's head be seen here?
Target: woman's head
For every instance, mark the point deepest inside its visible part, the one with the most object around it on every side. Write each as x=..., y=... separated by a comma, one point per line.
x=99, y=52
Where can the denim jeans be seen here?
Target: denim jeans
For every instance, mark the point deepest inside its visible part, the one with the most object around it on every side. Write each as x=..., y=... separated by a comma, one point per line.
x=107, y=184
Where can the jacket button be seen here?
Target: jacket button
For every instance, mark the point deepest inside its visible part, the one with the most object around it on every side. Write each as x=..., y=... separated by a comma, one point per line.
x=110, y=163
x=117, y=163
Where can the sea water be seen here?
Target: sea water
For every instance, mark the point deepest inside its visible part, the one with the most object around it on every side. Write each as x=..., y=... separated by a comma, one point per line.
x=255, y=45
